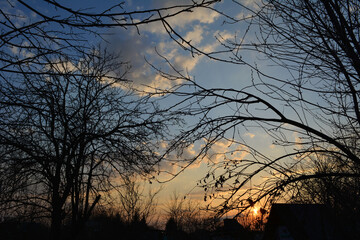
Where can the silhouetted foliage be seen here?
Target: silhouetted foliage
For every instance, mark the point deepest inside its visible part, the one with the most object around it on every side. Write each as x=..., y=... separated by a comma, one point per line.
x=16, y=229
x=171, y=226
x=339, y=193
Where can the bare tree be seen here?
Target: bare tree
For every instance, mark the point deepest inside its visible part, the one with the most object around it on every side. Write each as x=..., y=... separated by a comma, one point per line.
x=135, y=204
x=184, y=213
x=67, y=135
x=310, y=109
x=67, y=126
x=33, y=33
x=188, y=216
x=336, y=191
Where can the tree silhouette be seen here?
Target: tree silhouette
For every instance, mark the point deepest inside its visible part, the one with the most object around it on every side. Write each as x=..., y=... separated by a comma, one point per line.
x=66, y=137
x=135, y=205
x=68, y=124
x=309, y=106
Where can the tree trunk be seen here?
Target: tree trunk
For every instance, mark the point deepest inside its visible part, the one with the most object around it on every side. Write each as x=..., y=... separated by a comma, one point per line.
x=56, y=218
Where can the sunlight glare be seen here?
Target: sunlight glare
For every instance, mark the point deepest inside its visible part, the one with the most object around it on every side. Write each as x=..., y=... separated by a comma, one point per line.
x=255, y=211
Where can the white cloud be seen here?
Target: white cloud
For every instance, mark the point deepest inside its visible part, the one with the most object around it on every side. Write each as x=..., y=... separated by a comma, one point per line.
x=250, y=135
x=224, y=35
x=158, y=82
x=209, y=47
x=251, y=3
x=61, y=66
x=153, y=27
x=226, y=149
x=14, y=50
x=255, y=5
x=185, y=62
x=297, y=139
x=22, y=51
x=201, y=15
x=243, y=15
x=134, y=47
x=196, y=35
x=174, y=162
x=182, y=20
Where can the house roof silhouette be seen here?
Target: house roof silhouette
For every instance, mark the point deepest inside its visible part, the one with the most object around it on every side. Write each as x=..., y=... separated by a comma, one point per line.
x=300, y=222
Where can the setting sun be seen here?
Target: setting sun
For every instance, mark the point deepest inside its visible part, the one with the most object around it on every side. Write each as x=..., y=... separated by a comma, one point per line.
x=255, y=211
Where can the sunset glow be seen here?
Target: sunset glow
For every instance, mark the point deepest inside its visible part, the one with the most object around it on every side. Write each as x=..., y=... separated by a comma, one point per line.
x=255, y=211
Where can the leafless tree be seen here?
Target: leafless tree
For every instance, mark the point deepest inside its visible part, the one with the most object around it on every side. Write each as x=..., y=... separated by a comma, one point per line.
x=309, y=106
x=183, y=212
x=33, y=33
x=187, y=215
x=67, y=135
x=67, y=126
x=135, y=204
x=339, y=192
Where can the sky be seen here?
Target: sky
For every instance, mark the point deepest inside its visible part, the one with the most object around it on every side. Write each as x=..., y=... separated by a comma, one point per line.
x=203, y=28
